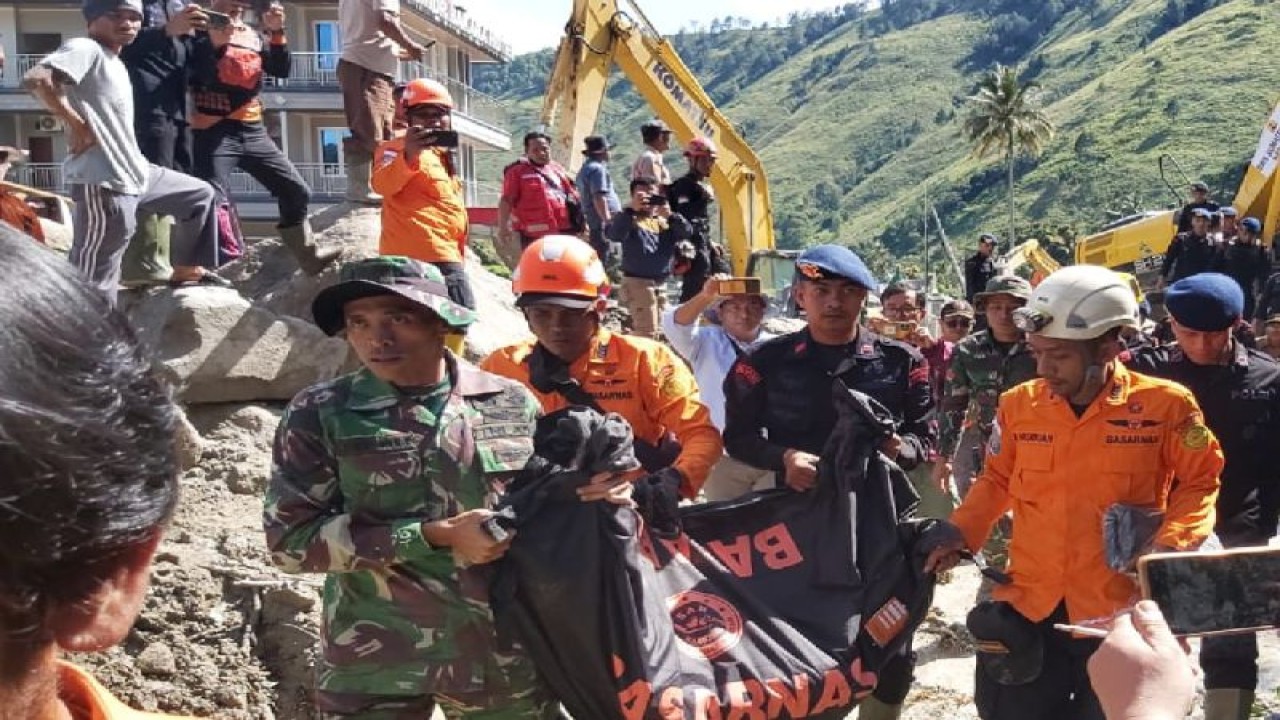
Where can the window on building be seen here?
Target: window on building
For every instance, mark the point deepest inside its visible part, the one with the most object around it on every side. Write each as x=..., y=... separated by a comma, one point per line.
x=332, y=157
x=328, y=46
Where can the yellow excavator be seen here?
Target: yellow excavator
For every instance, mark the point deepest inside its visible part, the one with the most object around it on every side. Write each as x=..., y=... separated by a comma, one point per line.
x=605, y=33
x=1136, y=244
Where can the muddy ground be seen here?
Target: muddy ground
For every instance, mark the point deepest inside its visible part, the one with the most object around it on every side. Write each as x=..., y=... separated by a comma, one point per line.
x=225, y=635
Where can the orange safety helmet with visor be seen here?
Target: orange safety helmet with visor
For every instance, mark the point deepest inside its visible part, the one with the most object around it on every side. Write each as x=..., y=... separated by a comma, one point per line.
x=559, y=270
x=425, y=91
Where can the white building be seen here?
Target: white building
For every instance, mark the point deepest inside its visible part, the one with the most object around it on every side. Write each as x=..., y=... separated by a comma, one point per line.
x=304, y=113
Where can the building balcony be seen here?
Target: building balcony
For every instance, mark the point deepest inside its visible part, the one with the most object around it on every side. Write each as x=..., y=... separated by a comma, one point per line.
x=313, y=86
x=328, y=183
x=444, y=14
x=311, y=71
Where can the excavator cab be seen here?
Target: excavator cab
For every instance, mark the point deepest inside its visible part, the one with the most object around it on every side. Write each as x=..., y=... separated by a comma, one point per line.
x=776, y=270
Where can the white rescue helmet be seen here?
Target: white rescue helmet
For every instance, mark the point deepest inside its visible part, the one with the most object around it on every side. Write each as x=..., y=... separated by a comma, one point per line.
x=1078, y=302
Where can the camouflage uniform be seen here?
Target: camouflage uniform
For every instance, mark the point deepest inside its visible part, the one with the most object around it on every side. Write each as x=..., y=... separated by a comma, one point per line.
x=979, y=372
x=358, y=466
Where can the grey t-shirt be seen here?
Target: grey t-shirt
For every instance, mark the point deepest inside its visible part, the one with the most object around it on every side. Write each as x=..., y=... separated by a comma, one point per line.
x=100, y=91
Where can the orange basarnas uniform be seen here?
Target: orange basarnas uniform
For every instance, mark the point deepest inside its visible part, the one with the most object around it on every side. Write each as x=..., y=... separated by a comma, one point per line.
x=1059, y=474
x=423, y=213
x=645, y=383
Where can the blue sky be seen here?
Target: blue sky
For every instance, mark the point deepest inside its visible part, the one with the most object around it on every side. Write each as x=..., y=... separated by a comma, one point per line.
x=534, y=24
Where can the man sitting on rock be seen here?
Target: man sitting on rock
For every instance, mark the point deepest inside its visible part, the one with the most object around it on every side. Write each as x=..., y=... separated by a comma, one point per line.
x=562, y=288
x=382, y=479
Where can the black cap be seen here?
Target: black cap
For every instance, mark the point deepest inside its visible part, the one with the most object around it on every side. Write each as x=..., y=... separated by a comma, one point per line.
x=653, y=130
x=596, y=144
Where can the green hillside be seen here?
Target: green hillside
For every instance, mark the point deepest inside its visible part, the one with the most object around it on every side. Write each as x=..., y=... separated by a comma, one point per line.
x=856, y=114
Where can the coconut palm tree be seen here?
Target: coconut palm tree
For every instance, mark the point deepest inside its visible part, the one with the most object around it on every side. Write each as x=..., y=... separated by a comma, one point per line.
x=1004, y=119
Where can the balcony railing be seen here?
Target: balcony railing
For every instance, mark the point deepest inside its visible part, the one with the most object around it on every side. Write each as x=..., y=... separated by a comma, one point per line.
x=312, y=70
x=327, y=181
x=443, y=13
x=14, y=72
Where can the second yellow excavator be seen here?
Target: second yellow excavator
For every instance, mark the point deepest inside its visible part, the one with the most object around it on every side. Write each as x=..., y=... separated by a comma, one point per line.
x=604, y=33
x=1136, y=244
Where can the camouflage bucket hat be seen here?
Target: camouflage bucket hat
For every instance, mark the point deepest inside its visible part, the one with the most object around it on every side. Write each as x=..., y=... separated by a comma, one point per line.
x=1011, y=285
x=389, y=274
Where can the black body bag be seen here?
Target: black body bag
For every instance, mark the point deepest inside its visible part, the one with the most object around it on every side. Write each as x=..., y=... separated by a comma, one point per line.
x=777, y=605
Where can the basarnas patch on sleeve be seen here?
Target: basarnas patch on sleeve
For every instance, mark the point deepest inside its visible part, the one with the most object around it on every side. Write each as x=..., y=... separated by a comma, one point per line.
x=389, y=156
x=674, y=383
x=1195, y=436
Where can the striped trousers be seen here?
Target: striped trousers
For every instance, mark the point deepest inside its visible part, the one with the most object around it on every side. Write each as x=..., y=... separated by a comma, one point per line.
x=105, y=220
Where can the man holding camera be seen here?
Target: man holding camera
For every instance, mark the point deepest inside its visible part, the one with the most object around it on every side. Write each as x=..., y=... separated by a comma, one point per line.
x=229, y=61
x=735, y=316
x=424, y=215
x=648, y=232
x=1239, y=390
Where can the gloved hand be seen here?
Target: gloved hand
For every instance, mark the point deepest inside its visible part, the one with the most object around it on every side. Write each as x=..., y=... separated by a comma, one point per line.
x=657, y=498
x=941, y=546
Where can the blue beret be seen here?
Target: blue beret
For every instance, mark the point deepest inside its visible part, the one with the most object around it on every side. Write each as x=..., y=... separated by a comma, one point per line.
x=834, y=262
x=1208, y=302
x=1252, y=224
x=1202, y=212
x=1228, y=211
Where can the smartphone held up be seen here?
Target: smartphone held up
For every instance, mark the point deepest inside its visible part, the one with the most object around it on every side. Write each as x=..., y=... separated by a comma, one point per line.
x=1215, y=593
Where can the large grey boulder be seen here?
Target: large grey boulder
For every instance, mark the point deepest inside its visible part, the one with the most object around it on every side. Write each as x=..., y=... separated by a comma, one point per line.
x=217, y=346
x=268, y=275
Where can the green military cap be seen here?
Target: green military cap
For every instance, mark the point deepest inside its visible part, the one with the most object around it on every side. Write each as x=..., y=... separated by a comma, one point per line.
x=388, y=275
x=1011, y=285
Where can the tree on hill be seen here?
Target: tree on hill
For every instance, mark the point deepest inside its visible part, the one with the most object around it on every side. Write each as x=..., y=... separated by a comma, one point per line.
x=1004, y=119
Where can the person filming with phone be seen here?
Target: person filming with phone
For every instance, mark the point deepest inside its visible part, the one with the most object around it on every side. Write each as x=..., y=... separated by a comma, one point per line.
x=734, y=310
x=648, y=231
x=1085, y=436
x=229, y=62
x=424, y=215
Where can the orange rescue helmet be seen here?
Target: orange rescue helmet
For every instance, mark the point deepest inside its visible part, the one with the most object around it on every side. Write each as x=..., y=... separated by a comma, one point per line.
x=559, y=270
x=425, y=91
x=700, y=147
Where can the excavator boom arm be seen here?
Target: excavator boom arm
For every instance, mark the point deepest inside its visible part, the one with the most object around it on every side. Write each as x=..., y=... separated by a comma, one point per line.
x=600, y=35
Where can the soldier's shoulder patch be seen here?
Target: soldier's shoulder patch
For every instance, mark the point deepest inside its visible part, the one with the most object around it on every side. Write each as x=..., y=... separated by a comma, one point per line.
x=673, y=380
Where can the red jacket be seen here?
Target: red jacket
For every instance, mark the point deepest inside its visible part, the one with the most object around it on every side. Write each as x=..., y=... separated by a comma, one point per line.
x=539, y=198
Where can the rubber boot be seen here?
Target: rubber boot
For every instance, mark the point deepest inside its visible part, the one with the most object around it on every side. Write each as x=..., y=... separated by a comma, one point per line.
x=146, y=259
x=300, y=241
x=873, y=709
x=359, y=168
x=456, y=343
x=1227, y=704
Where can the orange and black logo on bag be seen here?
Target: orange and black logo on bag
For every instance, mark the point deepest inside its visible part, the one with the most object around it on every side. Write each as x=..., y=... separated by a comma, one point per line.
x=706, y=626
